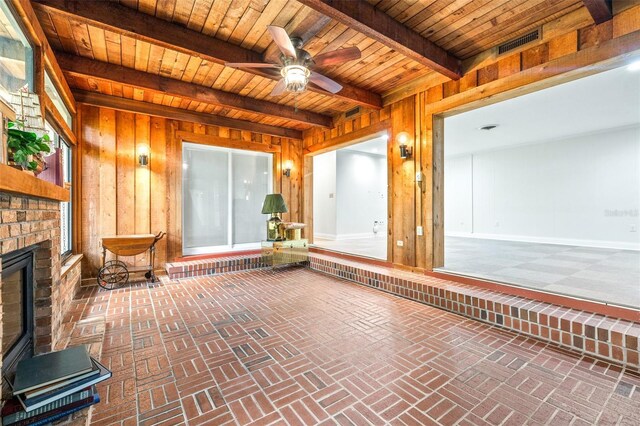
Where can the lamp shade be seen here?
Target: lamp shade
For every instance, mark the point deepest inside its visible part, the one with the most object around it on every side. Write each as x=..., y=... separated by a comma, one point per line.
x=274, y=203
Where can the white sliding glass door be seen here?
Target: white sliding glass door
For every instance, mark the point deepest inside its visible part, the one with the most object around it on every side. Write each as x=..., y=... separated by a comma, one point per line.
x=222, y=194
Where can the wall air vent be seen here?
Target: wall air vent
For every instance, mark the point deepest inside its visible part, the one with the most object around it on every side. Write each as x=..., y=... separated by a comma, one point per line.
x=352, y=112
x=520, y=41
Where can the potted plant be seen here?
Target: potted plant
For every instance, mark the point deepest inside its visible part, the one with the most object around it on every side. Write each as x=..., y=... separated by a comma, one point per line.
x=26, y=149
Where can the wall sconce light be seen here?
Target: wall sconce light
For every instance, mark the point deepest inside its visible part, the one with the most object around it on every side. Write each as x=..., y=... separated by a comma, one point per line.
x=403, y=138
x=286, y=168
x=143, y=156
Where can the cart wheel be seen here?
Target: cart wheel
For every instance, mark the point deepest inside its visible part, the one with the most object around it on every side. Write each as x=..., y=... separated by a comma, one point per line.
x=147, y=274
x=113, y=274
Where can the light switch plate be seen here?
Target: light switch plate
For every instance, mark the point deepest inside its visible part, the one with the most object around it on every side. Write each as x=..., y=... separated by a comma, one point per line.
x=400, y=243
x=419, y=231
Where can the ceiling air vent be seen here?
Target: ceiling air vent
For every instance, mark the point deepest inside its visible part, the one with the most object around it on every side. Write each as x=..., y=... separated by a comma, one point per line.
x=352, y=112
x=520, y=41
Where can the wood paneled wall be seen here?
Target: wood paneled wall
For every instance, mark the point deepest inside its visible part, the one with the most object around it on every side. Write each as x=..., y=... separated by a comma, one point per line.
x=563, y=57
x=117, y=196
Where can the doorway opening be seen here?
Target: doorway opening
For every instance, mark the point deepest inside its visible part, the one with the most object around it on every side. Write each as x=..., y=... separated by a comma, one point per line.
x=543, y=190
x=350, y=199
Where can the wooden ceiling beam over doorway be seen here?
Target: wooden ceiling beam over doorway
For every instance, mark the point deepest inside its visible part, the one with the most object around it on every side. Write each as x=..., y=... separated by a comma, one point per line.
x=600, y=10
x=88, y=68
x=122, y=20
x=366, y=19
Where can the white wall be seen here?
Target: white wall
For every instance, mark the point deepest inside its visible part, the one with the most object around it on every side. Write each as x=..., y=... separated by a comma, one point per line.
x=581, y=190
x=458, y=194
x=362, y=193
x=349, y=194
x=324, y=195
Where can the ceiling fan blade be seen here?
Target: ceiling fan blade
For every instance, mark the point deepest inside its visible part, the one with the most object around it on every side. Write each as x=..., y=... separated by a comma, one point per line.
x=337, y=57
x=249, y=65
x=281, y=38
x=279, y=88
x=325, y=82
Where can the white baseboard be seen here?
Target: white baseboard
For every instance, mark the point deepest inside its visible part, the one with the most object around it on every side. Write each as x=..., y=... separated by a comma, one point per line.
x=323, y=236
x=618, y=245
x=355, y=236
x=340, y=237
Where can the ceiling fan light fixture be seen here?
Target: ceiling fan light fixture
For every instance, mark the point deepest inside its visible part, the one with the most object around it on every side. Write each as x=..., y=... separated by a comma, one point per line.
x=295, y=77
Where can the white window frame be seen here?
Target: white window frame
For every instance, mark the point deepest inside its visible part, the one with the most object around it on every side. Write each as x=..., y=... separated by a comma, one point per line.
x=229, y=247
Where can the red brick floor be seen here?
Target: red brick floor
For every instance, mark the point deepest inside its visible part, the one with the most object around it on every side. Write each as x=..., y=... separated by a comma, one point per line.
x=298, y=347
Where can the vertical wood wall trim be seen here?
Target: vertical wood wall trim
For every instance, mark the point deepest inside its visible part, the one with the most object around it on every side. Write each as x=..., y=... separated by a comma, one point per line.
x=173, y=205
x=125, y=170
x=142, y=193
x=76, y=189
x=158, y=182
x=438, y=192
x=107, y=172
x=307, y=201
x=38, y=76
x=90, y=199
x=423, y=207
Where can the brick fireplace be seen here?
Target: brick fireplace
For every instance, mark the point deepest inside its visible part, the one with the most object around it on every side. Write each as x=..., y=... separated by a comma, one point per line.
x=34, y=223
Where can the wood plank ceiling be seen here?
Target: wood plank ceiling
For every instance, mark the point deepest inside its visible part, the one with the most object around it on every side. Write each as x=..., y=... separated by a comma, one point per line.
x=156, y=43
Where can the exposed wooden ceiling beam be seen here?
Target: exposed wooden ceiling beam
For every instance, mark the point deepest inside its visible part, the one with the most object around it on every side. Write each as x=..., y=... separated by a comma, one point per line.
x=129, y=105
x=88, y=68
x=600, y=10
x=366, y=19
x=120, y=19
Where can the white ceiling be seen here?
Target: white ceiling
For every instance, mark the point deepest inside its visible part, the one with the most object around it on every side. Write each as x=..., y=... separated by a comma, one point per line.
x=602, y=101
x=373, y=146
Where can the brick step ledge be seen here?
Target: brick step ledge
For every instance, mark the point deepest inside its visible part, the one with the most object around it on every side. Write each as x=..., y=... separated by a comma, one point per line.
x=601, y=336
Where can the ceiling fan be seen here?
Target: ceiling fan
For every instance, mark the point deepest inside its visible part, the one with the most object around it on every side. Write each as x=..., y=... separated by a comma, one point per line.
x=296, y=63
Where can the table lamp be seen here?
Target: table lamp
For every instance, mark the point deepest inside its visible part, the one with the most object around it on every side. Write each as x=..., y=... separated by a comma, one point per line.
x=274, y=205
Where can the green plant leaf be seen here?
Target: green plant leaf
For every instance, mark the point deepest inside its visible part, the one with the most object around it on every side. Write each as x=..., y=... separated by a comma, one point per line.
x=19, y=157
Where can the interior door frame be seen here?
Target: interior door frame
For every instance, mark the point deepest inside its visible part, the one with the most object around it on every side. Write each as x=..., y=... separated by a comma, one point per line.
x=334, y=144
x=436, y=113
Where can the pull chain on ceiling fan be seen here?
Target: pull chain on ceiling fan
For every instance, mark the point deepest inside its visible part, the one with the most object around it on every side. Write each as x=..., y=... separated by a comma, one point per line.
x=296, y=64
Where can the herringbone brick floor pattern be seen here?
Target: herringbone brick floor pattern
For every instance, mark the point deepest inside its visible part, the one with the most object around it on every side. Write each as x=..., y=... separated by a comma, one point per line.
x=298, y=347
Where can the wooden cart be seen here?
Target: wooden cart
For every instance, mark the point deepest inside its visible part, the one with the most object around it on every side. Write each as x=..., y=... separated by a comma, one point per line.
x=115, y=273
